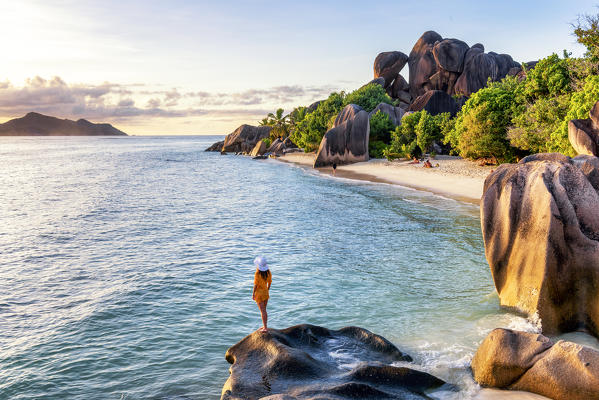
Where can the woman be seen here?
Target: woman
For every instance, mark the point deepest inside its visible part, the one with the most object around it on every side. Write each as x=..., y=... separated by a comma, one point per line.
x=262, y=282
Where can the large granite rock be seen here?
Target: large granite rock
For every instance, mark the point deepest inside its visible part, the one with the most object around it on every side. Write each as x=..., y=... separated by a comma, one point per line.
x=244, y=138
x=388, y=64
x=531, y=362
x=479, y=67
x=540, y=227
x=395, y=113
x=449, y=54
x=296, y=363
x=35, y=124
x=422, y=63
x=259, y=149
x=281, y=147
x=584, y=133
x=435, y=102
x=218, y=146
x=347, y=141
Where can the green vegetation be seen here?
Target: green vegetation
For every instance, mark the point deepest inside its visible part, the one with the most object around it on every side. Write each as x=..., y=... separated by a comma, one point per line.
x=508, y=119
x=417, y=133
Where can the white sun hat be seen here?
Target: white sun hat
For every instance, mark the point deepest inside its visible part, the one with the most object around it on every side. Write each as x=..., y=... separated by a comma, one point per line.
x=260, y=263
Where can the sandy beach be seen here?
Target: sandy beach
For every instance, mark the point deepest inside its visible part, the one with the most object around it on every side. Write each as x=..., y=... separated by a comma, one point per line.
x=453, y=177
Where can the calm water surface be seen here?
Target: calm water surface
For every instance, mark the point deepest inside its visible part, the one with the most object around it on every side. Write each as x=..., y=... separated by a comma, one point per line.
x=126, y=268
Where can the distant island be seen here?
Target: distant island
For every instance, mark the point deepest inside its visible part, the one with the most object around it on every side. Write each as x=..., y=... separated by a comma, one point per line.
x=35, y=124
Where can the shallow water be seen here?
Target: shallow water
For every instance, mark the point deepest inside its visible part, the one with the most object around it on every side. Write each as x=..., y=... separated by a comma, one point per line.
x=127, y=272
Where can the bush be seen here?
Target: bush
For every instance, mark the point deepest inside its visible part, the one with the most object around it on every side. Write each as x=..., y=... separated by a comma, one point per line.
x=267, y=142
x=417, y=133
x=534, y=127
x=368, y=97
x=376, y=149
x=581, y=103
x=308, y=132
x=550, y=77
x=480, y=129
x=380, y=127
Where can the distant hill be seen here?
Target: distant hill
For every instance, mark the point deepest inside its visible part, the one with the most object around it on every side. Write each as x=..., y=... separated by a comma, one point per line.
x=35, y=124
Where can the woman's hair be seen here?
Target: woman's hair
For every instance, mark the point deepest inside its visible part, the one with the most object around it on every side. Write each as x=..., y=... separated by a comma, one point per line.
x=264, y=274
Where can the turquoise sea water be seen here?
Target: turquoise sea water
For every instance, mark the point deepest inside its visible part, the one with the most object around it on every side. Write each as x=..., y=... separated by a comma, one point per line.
x=126, y=268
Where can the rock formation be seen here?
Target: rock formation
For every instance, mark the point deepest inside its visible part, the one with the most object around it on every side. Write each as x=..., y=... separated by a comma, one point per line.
x=347, y=141
x=34, y=124
x=435, y=102
x=295, y=363
x=281, y=147
x=259, y=149
x=243, y=139
x=422, y=63
x=584, y=133
x=540, y=227
x=388, y=64
x=531, y=362
x=218, y=146
x=395, y=113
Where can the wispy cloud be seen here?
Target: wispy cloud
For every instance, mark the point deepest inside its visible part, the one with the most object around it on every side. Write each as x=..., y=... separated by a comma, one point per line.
x=117, y=102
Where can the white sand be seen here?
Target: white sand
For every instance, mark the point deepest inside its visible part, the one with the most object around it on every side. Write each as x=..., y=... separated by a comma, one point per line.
x=454, y=177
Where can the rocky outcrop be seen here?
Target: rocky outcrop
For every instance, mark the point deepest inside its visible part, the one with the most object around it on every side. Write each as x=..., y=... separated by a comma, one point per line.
x=388, y=64
x=312, y=107
x=449, y=54
x=422, y=63
x=259, y=149
x=395, y=113
x=296, y=363
x=347, y=141
x=435, y=102
x=280, y=147
x=584, y=133
x=479, y=67
x=531, y=362
x=540, y=228
x=218, y=146
x=243, y=139
x=35, y=124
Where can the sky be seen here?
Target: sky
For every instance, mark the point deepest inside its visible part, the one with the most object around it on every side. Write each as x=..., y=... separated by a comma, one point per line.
x=206, y=67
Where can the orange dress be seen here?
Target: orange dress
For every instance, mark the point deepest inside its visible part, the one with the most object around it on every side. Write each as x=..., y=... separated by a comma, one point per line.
x=261, y=287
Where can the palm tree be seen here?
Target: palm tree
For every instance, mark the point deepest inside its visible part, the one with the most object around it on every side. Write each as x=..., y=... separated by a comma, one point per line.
x=279, y=122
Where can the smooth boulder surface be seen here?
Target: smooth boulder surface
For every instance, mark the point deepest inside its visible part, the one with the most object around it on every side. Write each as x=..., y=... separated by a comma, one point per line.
x=281, y=147
x=218, y=146
x=540, y=228
x=584, y=133
x=348, y=112
x=435, y=102
x=259, y=149
x=346, y=142
x=244, y=138
x=449, y=54
x=296, y=363
x=388, y=64
x=532, y=362
x=422, y=63
x=395, y=113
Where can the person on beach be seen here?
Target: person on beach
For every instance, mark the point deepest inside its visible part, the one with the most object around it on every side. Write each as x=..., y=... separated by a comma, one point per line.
x=334, y=168
x=262, y=282
x=415, y=161
x=427, y=164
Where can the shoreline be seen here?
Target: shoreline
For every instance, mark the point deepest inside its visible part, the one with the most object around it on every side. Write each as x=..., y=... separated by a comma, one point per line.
x=455, y=177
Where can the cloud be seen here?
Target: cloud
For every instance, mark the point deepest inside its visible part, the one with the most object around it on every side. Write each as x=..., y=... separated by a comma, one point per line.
x=119, y=102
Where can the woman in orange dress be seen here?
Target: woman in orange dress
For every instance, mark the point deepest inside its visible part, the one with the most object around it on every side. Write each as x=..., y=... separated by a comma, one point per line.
x=262, y=282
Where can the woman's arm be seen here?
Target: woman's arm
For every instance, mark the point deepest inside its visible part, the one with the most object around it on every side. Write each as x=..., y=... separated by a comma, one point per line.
x=254, y=293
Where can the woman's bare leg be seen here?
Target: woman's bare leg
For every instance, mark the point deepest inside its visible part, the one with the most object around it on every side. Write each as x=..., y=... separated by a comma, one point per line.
x=262, y=306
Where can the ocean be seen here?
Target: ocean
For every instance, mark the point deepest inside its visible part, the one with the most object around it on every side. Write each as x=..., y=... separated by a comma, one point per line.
x=126, y=268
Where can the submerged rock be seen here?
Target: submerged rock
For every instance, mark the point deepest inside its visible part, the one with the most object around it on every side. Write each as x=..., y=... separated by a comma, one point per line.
x=347, y=141
x=532, y=362
x=298, y=363
x=218, y=146
x=540, y=225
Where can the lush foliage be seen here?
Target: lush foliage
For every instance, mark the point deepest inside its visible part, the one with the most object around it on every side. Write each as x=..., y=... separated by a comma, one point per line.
x=376, y=148
x=587, y=34
x=550, y=77
x=417, y=133
x=308, y=132
x=380, y=127
x=368, y=97
x=480, y=129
